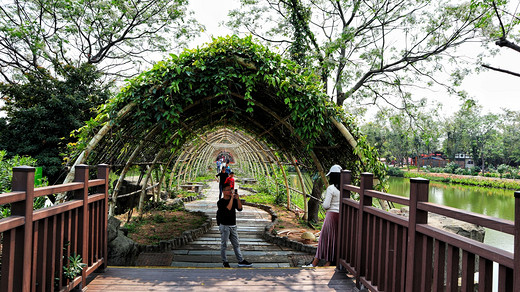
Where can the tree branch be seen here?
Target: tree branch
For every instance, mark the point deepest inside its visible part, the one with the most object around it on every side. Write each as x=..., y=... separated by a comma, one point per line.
x=501, y=70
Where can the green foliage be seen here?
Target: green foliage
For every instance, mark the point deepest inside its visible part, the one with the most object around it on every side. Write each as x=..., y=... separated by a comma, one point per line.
x=394, y=171
x=74, y=267
x=345, y=48
x=238, y=79
x=171, y=85
x=6, y=173
x=451, y=167
x=475, y=181
x=262, y=198
x=56, y=33
x=159, y=219
x=42, y=112
x=267, y=192
x=175, y=193
x=6, y=168
x=475, y=170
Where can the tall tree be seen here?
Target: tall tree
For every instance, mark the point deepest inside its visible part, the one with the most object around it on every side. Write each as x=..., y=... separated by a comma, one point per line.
x=510, y=129
x=59, y=58
x=116, y=36
x=43, y=111
x=372, y=51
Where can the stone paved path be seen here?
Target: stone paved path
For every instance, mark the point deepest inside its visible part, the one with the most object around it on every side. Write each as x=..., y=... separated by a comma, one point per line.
x=205, y=251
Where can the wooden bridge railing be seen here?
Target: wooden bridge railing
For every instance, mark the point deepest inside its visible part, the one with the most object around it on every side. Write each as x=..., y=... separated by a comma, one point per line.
x=36, y=244
x=388, y=252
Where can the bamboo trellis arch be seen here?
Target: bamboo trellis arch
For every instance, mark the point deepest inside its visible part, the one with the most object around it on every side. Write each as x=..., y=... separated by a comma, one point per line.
x=251, y=114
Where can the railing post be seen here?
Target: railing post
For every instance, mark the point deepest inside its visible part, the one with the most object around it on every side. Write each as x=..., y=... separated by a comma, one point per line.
x=103, y=170
x=367, y=183
x=345, y=178
x=81, y=175
x=418, y=193
x=516, y=266
x=23, y=180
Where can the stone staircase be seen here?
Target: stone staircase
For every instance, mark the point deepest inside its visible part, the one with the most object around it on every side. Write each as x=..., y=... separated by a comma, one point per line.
x=205, y=251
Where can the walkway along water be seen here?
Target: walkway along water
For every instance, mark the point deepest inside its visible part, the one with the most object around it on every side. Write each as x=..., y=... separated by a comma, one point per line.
x=197, y=265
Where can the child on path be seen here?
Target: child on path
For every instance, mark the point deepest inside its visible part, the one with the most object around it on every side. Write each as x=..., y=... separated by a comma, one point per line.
x=231, y=180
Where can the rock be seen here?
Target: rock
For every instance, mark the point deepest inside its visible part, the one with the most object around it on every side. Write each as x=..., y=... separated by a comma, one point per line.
x=113, y=228
x=122, y=251
x=308, y=235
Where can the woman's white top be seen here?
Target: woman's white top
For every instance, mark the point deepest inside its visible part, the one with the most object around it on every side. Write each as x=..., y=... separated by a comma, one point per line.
x=331, y=202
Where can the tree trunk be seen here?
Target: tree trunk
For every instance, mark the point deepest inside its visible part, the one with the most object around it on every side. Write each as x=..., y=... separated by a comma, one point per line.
x=314, y=205
x=340, y=98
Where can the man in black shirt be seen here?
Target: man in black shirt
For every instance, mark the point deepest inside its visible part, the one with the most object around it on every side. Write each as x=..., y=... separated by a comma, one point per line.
x=221, y=178
x=227, y=221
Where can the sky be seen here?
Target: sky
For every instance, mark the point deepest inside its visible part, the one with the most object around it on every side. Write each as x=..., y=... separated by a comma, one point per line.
x=493, y=90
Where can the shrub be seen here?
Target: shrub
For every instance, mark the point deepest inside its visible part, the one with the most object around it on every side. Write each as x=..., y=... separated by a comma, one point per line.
x=394, y=171
x=6, y=174
x=475, y=170
x=437, y=169
x=159, y=219
x=451, y=167
x=491, y=174
x=502, y=169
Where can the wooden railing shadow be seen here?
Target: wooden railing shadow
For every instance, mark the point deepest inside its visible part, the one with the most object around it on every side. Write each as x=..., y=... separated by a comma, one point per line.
x=37, y=244
x=388, y=252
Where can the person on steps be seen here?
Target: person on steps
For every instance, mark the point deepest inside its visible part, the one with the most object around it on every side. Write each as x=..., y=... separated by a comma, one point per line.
x=221, y=178
x=227, y=225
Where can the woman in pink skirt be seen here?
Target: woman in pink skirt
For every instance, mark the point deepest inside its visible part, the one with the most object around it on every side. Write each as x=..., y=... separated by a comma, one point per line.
x=327, y=242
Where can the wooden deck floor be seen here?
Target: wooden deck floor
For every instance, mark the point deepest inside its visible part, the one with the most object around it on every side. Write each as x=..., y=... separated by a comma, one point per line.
x=221, y=279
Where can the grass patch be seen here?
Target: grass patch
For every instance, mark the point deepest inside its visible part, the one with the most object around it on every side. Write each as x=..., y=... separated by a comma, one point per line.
x=467, y=180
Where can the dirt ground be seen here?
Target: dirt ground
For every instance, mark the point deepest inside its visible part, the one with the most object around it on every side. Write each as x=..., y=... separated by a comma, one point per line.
x=157, y=225
x=291, y=226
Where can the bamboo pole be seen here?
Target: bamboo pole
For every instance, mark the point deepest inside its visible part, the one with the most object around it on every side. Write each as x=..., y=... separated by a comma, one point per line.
x=305, y=206
x=126, y=168
x=91, y=145
x=285, y=181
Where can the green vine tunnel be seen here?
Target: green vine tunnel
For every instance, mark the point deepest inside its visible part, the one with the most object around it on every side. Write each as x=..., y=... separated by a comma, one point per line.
x=231, y=95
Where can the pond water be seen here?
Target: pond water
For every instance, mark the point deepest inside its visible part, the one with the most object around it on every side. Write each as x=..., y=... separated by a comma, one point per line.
x=488, y=201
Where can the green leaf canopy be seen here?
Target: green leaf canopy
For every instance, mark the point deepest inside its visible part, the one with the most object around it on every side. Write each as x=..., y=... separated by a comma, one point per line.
x=231, y=83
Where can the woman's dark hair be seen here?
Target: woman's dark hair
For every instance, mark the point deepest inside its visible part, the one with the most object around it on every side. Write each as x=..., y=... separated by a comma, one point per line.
x=334, y=178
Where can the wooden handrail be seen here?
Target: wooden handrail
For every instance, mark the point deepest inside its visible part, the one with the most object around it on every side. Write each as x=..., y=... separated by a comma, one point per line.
x=388, y=197
x=502, y=225
x=11, y=222
x=389, y=252
x=8, y=198
x=37, y=244
x=481, y=249
x=49, y=190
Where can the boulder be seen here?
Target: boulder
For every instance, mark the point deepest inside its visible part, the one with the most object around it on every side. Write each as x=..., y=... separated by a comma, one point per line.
x=122, y=251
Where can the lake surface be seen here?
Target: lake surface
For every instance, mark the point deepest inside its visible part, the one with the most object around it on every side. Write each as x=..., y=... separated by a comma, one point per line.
x=488, y=201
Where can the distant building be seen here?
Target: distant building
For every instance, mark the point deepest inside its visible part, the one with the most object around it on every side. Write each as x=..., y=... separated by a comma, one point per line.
x=464, y=160
x=433, y=159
